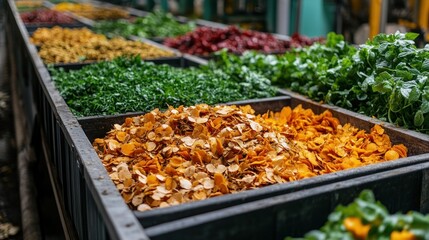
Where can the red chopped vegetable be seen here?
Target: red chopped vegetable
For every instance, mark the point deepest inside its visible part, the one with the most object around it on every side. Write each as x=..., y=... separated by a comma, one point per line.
x=205, y=40
x=46, y=16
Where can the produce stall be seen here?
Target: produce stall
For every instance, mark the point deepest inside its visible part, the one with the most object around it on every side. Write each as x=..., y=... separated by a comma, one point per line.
x=144, y=141
x=385, y=78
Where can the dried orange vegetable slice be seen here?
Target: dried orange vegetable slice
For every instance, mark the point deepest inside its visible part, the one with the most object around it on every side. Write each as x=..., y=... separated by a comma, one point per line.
x=193, y=153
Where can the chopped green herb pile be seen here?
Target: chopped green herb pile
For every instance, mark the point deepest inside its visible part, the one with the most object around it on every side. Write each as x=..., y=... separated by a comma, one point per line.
x=376, y=222
x=387, y=77
x=131, y=85
x=156, y=24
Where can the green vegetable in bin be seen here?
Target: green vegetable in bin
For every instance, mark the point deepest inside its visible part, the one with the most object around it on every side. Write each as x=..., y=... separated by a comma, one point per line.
x=366, y=218
x=156, y=24
x=386, y=78
x=132, y=85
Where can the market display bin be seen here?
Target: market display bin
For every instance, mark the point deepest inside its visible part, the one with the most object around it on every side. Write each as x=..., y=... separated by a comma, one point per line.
x=90, y=203
x=178, y=61
x=31, y=28
x=89, y=209
x=296, y=213
x=180, y=19
x=90, y=22
x=27, y=6
x=418, y=146
x=16, y=34
x=418, y=152
x=98, y=126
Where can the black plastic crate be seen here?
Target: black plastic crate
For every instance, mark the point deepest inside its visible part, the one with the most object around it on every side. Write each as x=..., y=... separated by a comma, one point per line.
x=31, y=28
x=98, y=126
x=89, y=208
x=21, y=59
x=180, y=19
x=93, y=204
x=417, y=143
x=177, y=60
x=296, y=213
x=418, y=146
x=418, y=149
x=180, y=62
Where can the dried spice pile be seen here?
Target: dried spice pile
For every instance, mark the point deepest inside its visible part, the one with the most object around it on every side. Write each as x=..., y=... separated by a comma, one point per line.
x=72, y=45
x=186, y=154
x=25, y=6
x=205, y=40
x=46, y=16
x=92, y=12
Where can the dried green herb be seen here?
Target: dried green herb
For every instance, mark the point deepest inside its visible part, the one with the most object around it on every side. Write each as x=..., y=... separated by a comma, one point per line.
x=132, y=85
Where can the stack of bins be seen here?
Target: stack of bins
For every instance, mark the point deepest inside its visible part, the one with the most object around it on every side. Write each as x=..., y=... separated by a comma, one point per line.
x=97, y=211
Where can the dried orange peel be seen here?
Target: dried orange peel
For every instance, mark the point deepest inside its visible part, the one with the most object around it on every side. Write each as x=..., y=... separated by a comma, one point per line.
x=193, y=153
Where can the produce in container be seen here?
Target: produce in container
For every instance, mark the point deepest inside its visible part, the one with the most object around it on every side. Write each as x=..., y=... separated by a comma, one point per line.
x=46, y=16
x=192, y=153
x=386, y=78
x=61, y=1
x=131, y=85
x=90, y=11
x=156, y=24
x=82, y=45
x=365, y=218
x=25, y=6
x=205, y=40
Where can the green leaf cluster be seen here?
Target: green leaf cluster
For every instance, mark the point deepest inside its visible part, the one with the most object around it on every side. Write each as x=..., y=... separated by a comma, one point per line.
x=372, y=213
x=387, y=77
x=155, y=24
x=132, y=85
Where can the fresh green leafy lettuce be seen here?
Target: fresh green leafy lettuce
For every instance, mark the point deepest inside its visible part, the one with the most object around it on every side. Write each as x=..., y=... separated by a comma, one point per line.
x=386, y=78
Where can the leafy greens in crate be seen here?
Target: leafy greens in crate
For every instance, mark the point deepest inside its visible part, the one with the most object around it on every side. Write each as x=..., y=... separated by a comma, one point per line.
x=131, y=85
x=387, y=77
x=156, y=24
x=366, y=218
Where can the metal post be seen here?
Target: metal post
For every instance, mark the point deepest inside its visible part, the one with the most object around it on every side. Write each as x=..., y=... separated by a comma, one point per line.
x=283, y=13
x=416, y=10
x=383, y=17
x=186, y=7
x=164, y=5
x=150, y=4
x=209, y=9
x=374, y=17
x=338, y=17
x=297, y=16
x=271, y=15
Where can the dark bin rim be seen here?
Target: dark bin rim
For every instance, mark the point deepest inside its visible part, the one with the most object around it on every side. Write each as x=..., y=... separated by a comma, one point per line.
x=83, y=64
x=358, y=115
x=272, y=191
x=107, y=199
x=76, y=21
x=218, y=215
x=241, y=102
x=97, y=182
x=276, y=189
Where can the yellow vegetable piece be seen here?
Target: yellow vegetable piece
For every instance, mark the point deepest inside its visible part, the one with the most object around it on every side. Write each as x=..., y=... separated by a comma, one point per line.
x=356, y=227
x=403, y=235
